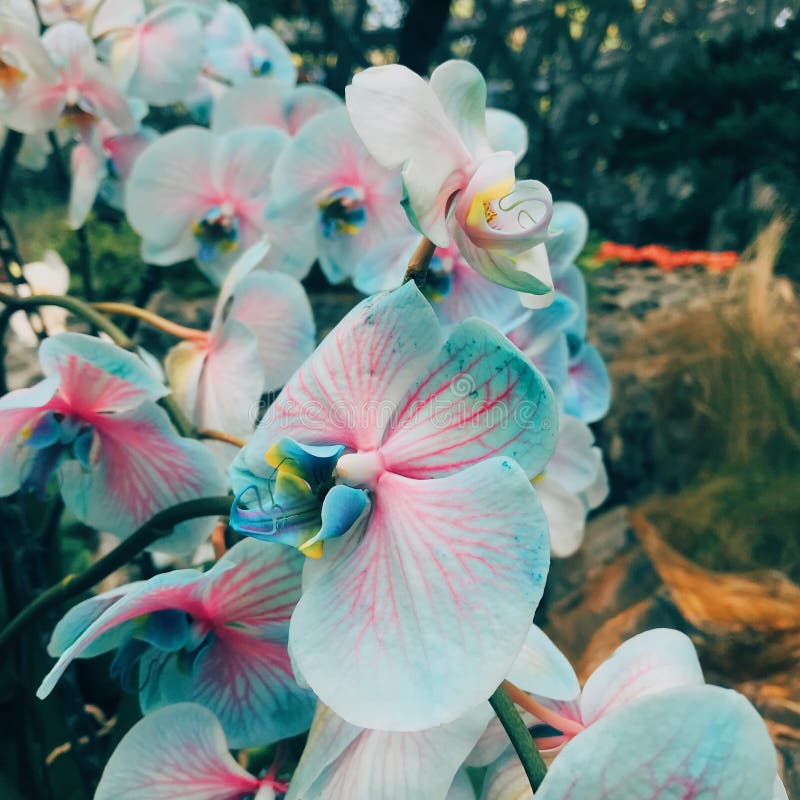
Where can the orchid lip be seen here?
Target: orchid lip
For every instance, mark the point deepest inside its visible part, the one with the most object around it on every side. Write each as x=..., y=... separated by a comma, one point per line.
x=217, y=231
x=342, y=211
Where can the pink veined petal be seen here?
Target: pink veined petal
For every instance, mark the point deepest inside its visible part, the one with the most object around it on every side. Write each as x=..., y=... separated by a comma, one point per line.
x=176, y=753
x=346, y=392
x=171, y=187
x=341, y=762
x=140, y=467
x=403, y=124
x=649, y=663
x=169, y=55
x=88, y=170
x=690, y=743
x=276, y=309
x=178, y=589
x=443, y=572
x=461, y=90
x=97, y=377
x=480, y=398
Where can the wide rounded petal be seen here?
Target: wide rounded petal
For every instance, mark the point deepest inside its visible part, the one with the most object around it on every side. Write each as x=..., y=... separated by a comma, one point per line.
x=650, y=662
x=394, y=630
x=566, y=516
x=306, y=102
x=341, y=761
x=573, y=465
x=98, y=376
x=270, y=45
x=587, y=393
x=687, y=743
x=542, y=669
x=177, y=753
x=170, y=186
x=403, y=124
x=570, y=227
x=383, y=268
x=506, y=131
x=141, y=467
x=481, y=397
x=347, y=391
x=259, y=101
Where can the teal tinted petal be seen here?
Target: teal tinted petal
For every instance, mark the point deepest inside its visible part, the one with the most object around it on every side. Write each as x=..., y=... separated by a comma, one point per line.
x=569, y=227
x=587, y=392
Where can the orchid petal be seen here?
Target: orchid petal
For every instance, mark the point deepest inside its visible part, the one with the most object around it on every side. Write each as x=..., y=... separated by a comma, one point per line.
x=480, y=398
x=382, y=268
x=650, y=662
x=570, y=227
x=88, y=171
x=506, y=779
x=542, y=669
x=780, y=790
x=142, y=468
x=445, y=571
x=403, y=124
x=461, y=787
x=566, y=516
x=306, y=102
x=553, y=363
x=341, y=762
x=691, y=742
x=176, y=753
x=572, y=464
x=506, y=131
x=282, y=66
x=587, y=393
x=572, y=284
x=346, y=392
x=259, y=101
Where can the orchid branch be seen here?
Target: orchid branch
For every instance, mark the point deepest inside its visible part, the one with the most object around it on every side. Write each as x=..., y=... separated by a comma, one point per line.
x=521, y=740
x=417, y=269
x=72, y=585
x=154, y=320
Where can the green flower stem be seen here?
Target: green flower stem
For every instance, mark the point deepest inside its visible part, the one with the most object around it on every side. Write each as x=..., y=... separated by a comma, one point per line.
x=417, y=269
x=73, y=585
x=523, y=743
x=102, y=323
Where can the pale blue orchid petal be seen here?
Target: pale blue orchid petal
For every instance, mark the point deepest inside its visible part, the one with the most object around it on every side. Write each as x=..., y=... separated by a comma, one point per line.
x=506, y=131
x=587, y=393
x=259, y=101
x=480, y=398
x=383, y=268
x=566, y=516
x=572, y=284
x=572, y=464
x=553, y=364
x=542, y=669
x=570, y=227
x=699, y=741
x=382, y=612
x=276, y=59
x=461, y=787
x=780, y=791
x=341, y=509
x=88, y=170
x=650, y=662
x=179, y=751
x=342, y=761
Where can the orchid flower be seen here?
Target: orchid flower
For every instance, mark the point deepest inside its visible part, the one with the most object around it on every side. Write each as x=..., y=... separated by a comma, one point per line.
x=22, y=55
x=235, y=51
x=326, y=176
x=81, y=92
x=48, y=276
x=341, y=761
x=194, y=194
x=436, y=133
x=262, y=330
x=269, y=101
x=180, y=752
x=687, y=742
x=573, y=483
x=93, y=424
x=422, y=451
x=155, y=56
x=218, y=639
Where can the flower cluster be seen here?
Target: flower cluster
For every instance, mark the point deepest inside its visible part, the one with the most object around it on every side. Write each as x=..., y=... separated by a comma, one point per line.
x=393, y=496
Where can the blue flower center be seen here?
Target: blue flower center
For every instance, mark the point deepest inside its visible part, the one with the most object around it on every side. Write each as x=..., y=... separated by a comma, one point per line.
x=342, y=211
x=217, y=232
x=260, y=65
x=53, y=439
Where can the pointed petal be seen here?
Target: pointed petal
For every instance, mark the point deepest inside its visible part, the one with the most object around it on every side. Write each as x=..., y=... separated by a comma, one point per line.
x=170, y=185
x=347, y=390
x=97, y=375
x=570, y=227
x=506, y=131
x=341, y=762
x=177, y=753
x=88, y=171
x=276, y=309
x=184, y=367
x=446, y=571
x=587, y=393
x=708, y=742
x=653, y=661
x=480, y=398
x=542, y=669
x=172, y=590
x=142, y=467
x=403, y=124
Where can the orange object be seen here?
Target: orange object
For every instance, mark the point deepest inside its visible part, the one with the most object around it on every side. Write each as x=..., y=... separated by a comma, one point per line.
x=665, y=258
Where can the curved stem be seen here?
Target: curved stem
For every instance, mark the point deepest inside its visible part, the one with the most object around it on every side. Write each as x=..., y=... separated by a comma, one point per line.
x=417, y=269
x=220, y=436
x=73, y=585
x=104, y=324
x=532, y=762
x=154, y=320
